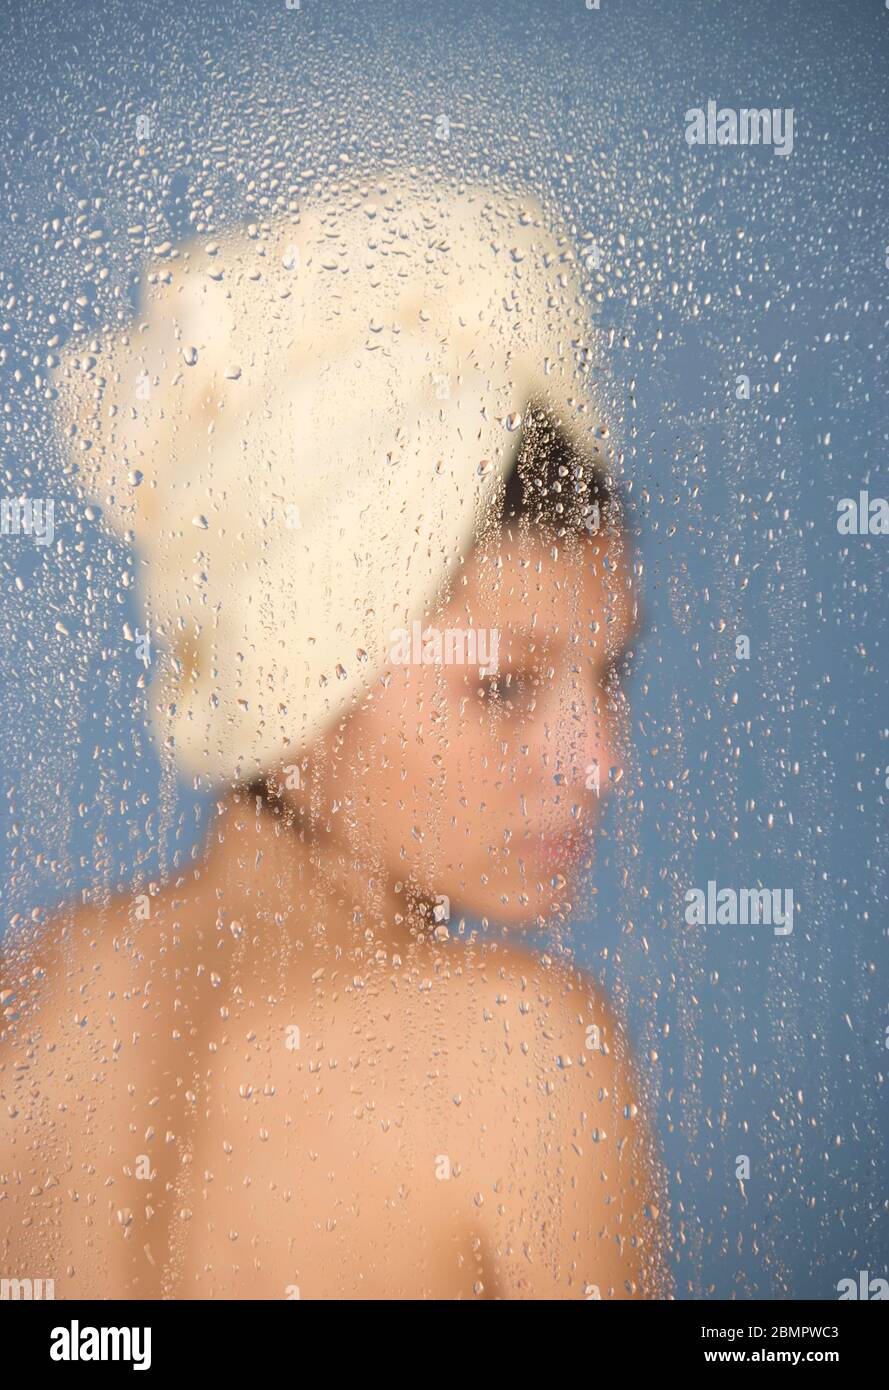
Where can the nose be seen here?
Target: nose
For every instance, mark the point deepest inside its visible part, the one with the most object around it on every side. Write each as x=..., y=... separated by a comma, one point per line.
x=586, y=743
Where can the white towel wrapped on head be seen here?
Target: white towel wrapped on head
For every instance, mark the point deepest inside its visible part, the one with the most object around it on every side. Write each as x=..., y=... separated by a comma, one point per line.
x=303, y=429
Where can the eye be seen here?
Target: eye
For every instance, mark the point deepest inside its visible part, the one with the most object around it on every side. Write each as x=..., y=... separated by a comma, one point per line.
x=490, y=688
x=510, y=693
x=618, y=670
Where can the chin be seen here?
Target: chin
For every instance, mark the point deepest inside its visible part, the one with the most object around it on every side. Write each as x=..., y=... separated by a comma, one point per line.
x=531, y=879
x=526, y=904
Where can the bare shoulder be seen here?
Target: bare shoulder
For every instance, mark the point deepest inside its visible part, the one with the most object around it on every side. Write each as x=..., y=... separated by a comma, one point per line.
x=85, y=955
x=569, y=1143
x=75, y=1002
x=533, y=995
x=66, y=988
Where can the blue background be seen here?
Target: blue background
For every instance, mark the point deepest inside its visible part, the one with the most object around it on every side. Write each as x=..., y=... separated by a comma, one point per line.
x=716, y=262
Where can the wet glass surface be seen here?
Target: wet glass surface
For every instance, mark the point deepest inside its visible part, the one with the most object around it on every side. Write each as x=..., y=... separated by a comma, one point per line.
x=240, y=246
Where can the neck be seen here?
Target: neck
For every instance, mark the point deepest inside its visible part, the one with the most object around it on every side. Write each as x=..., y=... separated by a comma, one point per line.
x=261, y=865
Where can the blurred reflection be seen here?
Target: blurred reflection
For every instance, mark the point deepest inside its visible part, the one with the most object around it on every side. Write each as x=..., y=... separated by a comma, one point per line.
x=392, y=592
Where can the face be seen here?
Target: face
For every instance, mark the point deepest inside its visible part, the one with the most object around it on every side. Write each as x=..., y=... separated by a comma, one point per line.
x=484, y=785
